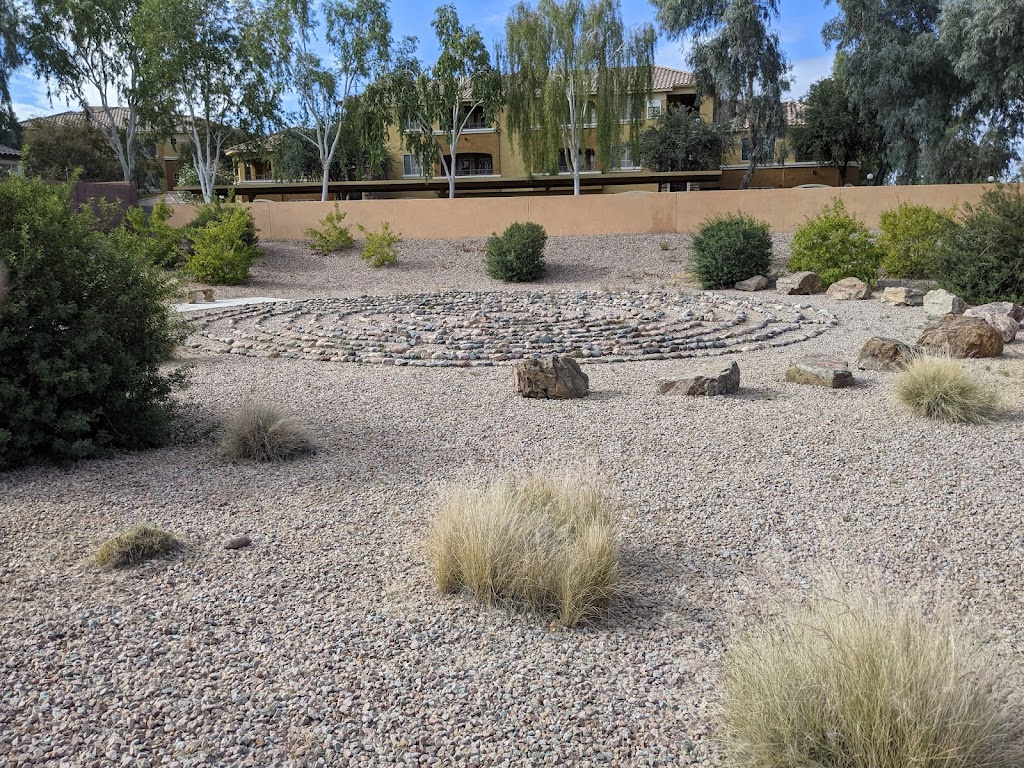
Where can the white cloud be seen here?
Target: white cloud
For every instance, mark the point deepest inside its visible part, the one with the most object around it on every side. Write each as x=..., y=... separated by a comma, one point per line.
x=808, y=71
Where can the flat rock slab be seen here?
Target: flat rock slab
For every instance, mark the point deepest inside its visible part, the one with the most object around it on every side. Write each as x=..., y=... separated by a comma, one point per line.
x=849, y=289
x=221, y=303
x=902, y=297
x=882, y=354
x=820, y=371
x=717, y=381
x=799, y=284
x=550, y=376
x=961, y=336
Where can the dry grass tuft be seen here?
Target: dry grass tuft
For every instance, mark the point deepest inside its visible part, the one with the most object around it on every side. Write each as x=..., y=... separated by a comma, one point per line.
x=141, y=543
x=545, y=541
x=853, y=680
x=264, y=432
x=939, y=388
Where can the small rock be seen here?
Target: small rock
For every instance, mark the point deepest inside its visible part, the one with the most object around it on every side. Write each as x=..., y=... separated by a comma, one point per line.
x=903, y=297
x=755, y=283
x=799, y=284
x=550, y=376
x=237, y=542
x=1000, y=315
x=961, y=336
x=941, y=302
x=882, y=354
x=820, y=371
x=719, y=381
x=849, y=288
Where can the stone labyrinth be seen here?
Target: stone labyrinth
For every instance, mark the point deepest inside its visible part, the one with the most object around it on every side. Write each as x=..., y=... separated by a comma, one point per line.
x=490, y=328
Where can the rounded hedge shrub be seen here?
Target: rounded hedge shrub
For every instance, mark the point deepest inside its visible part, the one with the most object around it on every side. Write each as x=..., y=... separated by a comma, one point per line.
x=221, y=252
x=835, y=244
x=517, y=255
x=84, y=328
x=731, y=248
x=911, y=238
x=982, y=259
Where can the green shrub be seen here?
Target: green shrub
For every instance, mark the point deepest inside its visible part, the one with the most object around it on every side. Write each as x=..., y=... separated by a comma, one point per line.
x=911, y=238
x=854, y=680
x=517, y=255
x=982, y=260
x=264, y=432
x=220, y=253
x=731, y=248
x=161, y=243
x=546, y=541
x=380, y=250
x=216, y=212
x=940, y=388
x=835, y=244
x=331, y=236
x=84, y=328
x=141, y=543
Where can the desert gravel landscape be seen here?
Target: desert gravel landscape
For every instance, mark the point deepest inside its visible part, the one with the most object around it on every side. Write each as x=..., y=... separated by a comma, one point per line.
x=325, y=642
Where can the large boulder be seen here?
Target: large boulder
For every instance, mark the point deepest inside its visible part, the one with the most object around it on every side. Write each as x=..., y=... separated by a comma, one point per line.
x=849, y=288
x=755, y=283
x=882, y=354
x=799, y=284
x=941, y=302
x=550, y=376
x=717, y=381
x=820, y=371
x=903, y=297
x=961, y=336
x=1001, y=315
x=1008, y=308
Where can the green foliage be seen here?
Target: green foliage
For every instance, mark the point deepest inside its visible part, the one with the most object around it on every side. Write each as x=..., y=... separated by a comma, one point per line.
x=221, y=251
x=53, y=152
x=982, y=259
x=517, y=255
x=331, y=236
x=731, y=248
x=380, y=249
x=681, y=140
x=835, y=244
x=218, y=211
x=939, y=388
x=911, y=238
x=84, y=330
x=160, y=241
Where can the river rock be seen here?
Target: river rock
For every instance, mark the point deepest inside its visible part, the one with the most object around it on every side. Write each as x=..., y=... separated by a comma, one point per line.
x=941, y=302
x=882, y=354
x=961, y=336
x=799, y=284
x=550, y=376
x=903, y=297
x=712, y=381
x=849, y=288
x=820, y=371
x=755, y=283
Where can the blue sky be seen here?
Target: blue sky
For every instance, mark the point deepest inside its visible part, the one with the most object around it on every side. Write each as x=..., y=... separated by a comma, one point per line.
x=799, y=30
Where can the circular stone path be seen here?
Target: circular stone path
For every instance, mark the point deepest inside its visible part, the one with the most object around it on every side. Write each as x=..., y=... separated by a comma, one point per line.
x=488, y=328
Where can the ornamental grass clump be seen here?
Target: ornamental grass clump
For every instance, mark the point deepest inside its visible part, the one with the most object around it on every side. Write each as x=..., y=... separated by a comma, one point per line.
x=546, y=542
x=939, y=388
x=852, y=679
x=264, y=432
x=141, y=543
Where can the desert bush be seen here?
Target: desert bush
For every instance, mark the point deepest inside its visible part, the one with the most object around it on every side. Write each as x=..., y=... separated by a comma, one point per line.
x=141, y=543
x=852, y=679
x=160, y=242
x=940, y=388
x=517, y=255
x=221, y=254
x=331, y=236
x=835, y=244
x=548, y=542
x=731, y=248
x=219, y=211
x=982, y=259
x=84, y=329
x=380, y=249
x=910, y=239
x=264, y=432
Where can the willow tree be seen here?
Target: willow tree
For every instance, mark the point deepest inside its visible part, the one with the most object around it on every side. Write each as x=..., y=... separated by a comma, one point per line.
x=736, y=59
x=573, y=74
x=12, y=56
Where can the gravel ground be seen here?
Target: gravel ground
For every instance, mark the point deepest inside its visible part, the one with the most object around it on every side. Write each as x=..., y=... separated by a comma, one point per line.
x=324, y=643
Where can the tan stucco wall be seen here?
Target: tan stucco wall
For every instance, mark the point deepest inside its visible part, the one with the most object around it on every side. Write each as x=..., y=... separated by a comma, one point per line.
x=783, y=209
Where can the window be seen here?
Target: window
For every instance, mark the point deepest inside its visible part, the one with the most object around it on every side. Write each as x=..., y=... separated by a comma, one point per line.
x=622, y=158
x=477, y=121
x=653, y=108
x=745, y=149
x=590, y=115
x=411, y=125
x=411, y=166
x=587, y=161
x=485, y=166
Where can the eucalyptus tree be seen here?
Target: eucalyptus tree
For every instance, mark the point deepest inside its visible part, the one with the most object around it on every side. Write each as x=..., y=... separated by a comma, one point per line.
x=357, y=35
x=220, y=76
x=435, y=105
x=12, y=56
x=736, y=59
x=570, y=67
